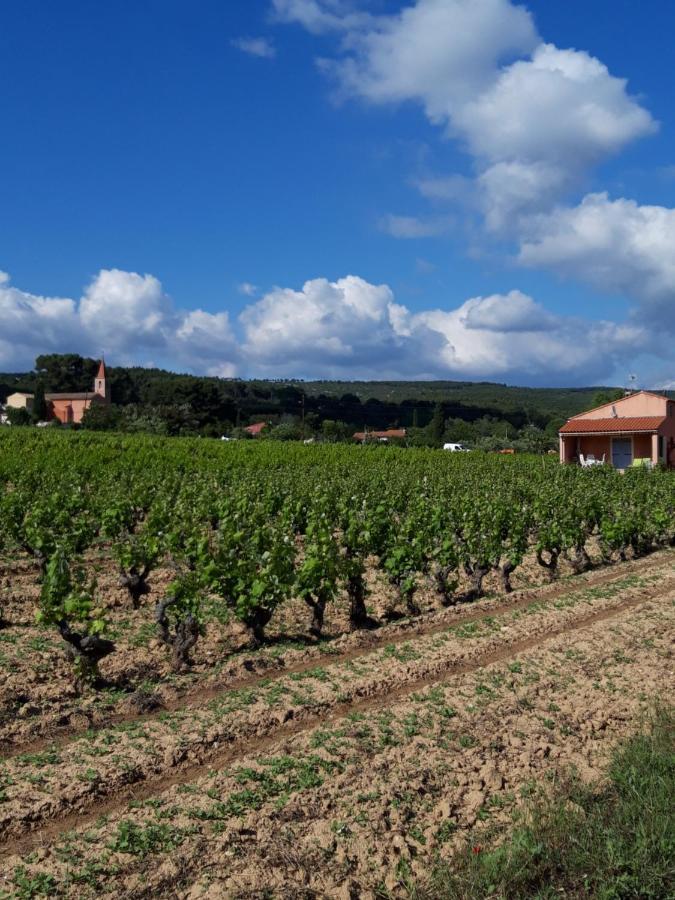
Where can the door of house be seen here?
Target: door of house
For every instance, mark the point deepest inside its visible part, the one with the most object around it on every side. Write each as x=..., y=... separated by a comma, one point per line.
x=622, y=453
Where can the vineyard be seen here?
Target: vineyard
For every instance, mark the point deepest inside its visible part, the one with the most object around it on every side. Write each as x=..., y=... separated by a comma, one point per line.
x=313, y=669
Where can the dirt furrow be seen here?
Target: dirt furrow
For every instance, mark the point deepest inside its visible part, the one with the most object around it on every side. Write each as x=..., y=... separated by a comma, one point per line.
x=359, y=644
x=365, y=832
x=159, y=783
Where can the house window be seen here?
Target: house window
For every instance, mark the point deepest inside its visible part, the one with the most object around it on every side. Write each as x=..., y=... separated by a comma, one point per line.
x=662, y=453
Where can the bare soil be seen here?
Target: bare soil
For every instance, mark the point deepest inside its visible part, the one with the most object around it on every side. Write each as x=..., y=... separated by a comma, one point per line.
x=339, y=769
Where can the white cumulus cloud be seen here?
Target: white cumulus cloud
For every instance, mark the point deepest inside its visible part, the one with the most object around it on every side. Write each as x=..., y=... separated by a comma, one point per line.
x=510, y=312
x=122, y=313
x=124, y=308
x=348, y=328
x=439, y=53
x=533, y=117
x=535, y=120
x=319, y=16
x=31, y=324
x=569, y=349
x=614, y=245
x=327, y=326
x=559, y=106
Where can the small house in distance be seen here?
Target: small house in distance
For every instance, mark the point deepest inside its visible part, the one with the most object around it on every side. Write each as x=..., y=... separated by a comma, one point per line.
x=382, y=436
x=256, y=429
x=637, y=428
x=19, y=400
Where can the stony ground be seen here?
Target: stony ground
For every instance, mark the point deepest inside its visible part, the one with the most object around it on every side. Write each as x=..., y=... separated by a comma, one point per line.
x=337, y=769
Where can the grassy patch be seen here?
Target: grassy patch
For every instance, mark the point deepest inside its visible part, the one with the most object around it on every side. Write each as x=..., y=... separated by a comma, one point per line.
x=401, y=653
x=40, y=885
x=277, y=779
x=140, y=840
x=615, y=840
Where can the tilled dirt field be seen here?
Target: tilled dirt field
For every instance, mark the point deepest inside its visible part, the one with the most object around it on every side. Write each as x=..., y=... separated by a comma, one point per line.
x=335, y=770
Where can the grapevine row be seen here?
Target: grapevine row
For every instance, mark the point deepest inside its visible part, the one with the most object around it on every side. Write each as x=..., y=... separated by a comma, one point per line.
x=251, y=526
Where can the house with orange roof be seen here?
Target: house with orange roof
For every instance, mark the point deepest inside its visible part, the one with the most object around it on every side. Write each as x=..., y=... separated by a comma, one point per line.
x=382, y=436
x=639, y=428
x=256, y=429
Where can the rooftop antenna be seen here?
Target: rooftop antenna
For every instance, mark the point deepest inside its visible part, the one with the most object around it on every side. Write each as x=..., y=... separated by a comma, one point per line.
x=632, y=385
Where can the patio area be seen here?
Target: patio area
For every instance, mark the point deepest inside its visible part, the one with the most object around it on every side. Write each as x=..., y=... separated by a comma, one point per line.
x=620, y=451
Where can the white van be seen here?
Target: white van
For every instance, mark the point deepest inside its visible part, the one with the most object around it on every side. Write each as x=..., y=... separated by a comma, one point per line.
x=455, y=448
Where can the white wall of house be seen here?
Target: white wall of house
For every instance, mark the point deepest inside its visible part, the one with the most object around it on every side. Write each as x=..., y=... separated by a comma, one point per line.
x=20, y=401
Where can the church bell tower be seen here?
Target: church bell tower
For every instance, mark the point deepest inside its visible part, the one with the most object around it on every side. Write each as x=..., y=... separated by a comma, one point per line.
x=101, y=386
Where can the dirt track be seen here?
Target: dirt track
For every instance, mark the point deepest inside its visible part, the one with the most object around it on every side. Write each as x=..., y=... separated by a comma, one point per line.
x=343, y=775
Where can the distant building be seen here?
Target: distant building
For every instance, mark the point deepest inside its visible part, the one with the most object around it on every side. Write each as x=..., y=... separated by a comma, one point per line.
x=19, y=400
x=637, y=429
x=255, y=429
x=383, y=437
x=68, y=408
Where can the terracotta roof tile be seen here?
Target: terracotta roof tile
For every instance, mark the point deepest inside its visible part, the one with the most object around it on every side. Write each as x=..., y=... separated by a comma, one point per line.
x=620, y=424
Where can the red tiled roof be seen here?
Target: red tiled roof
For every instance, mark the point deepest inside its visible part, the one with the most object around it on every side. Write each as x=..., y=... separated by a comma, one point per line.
x=256, y=428
x=101, y=370
x=376, y=435
x=627, y=424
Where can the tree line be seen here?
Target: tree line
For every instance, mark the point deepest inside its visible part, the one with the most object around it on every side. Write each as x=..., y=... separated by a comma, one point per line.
x=166, y=403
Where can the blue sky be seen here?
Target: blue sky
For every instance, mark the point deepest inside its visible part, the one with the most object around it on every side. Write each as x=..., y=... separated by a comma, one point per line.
x=429, y=188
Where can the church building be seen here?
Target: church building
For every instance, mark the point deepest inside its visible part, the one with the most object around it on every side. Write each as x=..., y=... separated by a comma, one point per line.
x=70, y=408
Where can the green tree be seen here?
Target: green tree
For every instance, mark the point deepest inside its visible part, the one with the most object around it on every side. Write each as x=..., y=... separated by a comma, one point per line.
x=611, y=395
x=534, y=440
x=286, y=431
x=103, y=418
x=436, y=427
x=66, y=371
x=39, y=403
x=18, y=416
x=334, y=431
x=459, y=431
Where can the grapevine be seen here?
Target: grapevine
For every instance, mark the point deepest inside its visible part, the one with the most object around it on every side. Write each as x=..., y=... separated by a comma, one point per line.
x=239, y=532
